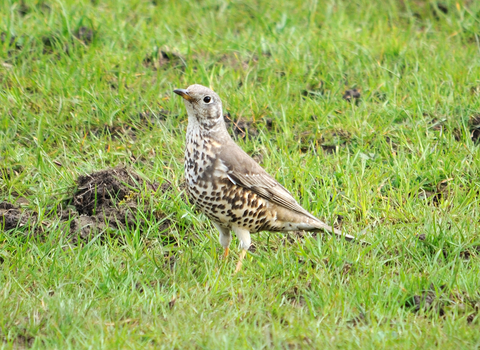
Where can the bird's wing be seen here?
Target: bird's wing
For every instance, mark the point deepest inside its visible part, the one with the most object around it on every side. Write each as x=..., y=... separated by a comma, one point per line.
x=244, y=171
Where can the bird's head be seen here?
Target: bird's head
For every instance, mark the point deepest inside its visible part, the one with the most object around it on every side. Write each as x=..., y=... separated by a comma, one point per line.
x=203, y=105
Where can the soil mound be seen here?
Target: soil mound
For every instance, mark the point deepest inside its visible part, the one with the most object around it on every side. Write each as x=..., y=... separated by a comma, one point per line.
x=104, y=189
x=106, y=201
x=12, y=217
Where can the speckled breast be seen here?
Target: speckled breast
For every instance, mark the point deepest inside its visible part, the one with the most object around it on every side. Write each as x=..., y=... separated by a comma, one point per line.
x=210, y=189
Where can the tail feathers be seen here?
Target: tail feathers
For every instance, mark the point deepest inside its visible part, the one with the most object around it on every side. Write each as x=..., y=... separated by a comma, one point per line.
x=321, y=226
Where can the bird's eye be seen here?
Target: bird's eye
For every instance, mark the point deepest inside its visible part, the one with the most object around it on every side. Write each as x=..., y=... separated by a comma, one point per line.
x=207, y=99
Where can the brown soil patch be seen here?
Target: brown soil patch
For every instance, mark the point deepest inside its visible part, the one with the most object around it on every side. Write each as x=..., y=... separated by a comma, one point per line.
x=13, y=217
x=436, y=123
x=352, y=95
x=162, y=59
x=103, y=189
x=84, y=34
x=427, y=300
x=435, y=194
x=438, y=9
x=105, y=201
x=53, y=43
x=470, y=252
x=439, y=301
x=474, y=127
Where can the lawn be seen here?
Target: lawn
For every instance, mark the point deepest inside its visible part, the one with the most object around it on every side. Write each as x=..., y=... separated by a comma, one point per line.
x=367, y=111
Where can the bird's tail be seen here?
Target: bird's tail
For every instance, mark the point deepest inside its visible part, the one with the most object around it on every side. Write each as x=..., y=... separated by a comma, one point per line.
x=321, y=226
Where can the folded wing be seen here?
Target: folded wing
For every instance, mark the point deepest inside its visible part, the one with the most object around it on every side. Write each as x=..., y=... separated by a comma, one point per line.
x=244, y=171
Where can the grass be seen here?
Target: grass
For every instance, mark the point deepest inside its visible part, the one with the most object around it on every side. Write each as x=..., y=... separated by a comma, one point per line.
x=400, y=164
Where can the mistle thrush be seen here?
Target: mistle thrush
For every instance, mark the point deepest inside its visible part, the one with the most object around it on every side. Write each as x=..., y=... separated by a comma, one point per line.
x=234, y=191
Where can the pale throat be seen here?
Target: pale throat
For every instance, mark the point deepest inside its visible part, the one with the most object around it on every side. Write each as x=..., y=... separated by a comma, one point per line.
x=207, y=127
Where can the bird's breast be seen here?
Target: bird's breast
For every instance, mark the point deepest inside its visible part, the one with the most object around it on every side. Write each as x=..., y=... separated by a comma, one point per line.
x=200, y=158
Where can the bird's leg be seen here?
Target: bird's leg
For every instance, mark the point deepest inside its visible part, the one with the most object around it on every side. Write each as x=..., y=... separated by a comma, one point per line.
x=245, y=241
x=225, y=238
x=240, y=260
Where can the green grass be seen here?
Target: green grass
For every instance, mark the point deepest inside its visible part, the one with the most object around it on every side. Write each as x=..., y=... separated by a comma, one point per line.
x=404, y=165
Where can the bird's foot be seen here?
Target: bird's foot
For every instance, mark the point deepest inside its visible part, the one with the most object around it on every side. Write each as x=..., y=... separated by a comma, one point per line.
x=240, y=260
x=225, y=252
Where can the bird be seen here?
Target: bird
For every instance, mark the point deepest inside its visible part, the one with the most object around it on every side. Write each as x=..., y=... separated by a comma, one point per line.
x=229, y=186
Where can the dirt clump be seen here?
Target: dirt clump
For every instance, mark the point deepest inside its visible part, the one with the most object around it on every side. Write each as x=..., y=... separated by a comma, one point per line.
x=474, y=127
x=440, y=301
x=12, y=217
x=435, y=194
x=436, y=124
x=23, y=341
x=104, y=189
x=54, y=43
x=84, y=34
x=352, y=95
x=438, y=9
x=470, y=252
x=427, y=300
x=106, y=201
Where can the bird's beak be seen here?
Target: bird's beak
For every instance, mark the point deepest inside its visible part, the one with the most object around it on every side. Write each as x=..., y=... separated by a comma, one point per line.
x=184, y=94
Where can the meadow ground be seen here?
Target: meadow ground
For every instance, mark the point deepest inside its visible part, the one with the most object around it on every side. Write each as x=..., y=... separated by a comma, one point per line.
x=368, y=111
